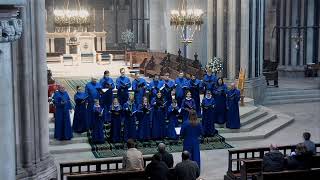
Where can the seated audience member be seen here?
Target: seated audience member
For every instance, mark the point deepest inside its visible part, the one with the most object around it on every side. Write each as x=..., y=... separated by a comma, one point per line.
x=273, y=161
x=300, y=159
x=187, y=169
x=157, y=169
x=132, y=160
x=165, y=156
x=311, y=147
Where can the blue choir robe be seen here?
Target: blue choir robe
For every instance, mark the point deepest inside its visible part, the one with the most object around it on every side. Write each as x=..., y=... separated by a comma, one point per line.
x=123, y=84
x=154, y=87
x=194, y=87
x=191, y=143
x=208, y=117
x=181, y=86
x=173, y=113
x=144, y=118
x=130, y=128
x=209, y=82
x=98, y=125
x=62, y=123
x=106, y=97
x=80, y=121
x=116, y=118
x=187, y=106
x=220, y=109
x=92, y=89
x=139, y=87
x=158, y=118
x=166, y=90
x=233, y=116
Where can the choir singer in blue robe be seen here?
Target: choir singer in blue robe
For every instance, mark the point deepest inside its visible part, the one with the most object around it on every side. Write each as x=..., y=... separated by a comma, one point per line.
x=191, y=131
x=181, y=85
x=116, y=118
x=209, y=80
x=154, y=86
x=208, y=104
x=123, y=84
x=98, y=124
x=187, y=106
x=62, y=124
x=220, y=96
x=92, y=89
x=130, y=111
x=173, y=113
x=194, y=87
x=158, y=117
x=139, y=86
x=168, y=87
x=80, y=121
x=233, y=116
x=107, y=86
x=144, y=118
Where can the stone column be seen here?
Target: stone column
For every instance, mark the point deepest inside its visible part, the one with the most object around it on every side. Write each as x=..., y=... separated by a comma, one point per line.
x=210, y=39
x=7, y=136
x=156, y=25
x=172, y=44
x=220, y=29
x=104, y=43
x=261, y=34
x=98, y=43
x=310, y=31
x=244, y=33
x=48, y=49
x=253, y=38
x=282, y=33
x=287, y=33
x=294, y=51
x=232, y=27
x=52, y=45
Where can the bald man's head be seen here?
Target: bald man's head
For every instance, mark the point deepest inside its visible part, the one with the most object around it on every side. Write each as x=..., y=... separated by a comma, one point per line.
x=185, y=155
x=161, y=147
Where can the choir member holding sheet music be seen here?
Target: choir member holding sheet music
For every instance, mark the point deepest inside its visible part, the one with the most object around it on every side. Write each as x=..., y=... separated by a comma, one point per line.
x=144, y=118
x=209, y=81
x=92, y=89
x=154, y=86
x=220, y=96
x=130, y=111
x=208, y=105
x=168, y=86
x=181, y=85
x=173, y=113
x=62, y=124
x=123, y=84
x=188, y=106
x=139, y=86
x=80, y=121
x=158, y=117
x=115, y=111
x=194, y=87
x=233, y=117
x=97, y=124
x=106, y=91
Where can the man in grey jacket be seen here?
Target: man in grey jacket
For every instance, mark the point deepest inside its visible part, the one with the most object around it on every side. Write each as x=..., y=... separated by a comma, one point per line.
x=311, y=147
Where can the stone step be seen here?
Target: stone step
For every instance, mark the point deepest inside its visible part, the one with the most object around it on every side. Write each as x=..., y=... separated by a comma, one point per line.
x=291, y=101
x=261, y=132
x=252, y=117
x=292, y=96
x=51, y=134
x=75, y=140
x=251, y=126
x=69, y=148
x=293, y=91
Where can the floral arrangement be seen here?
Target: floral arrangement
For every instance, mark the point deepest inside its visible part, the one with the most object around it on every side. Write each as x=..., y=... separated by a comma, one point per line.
x=127, y=37
x=215, y=64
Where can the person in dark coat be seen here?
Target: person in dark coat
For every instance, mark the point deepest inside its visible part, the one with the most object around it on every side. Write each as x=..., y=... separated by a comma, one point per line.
x=300, y=159
x=233, y=115
x=273, y=161
x=62, y=123
x=187, y=169
x=165, y=156
x=80, y=121
x=157, y=169
x=311, y=147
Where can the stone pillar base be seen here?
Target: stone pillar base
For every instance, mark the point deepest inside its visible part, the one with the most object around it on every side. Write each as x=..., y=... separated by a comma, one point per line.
x=255, y=89
x=43, y=170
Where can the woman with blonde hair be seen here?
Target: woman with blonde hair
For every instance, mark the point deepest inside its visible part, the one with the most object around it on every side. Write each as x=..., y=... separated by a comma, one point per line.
x=191, y=131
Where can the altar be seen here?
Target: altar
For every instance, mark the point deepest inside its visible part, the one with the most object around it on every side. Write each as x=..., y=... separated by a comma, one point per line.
x=73, y=48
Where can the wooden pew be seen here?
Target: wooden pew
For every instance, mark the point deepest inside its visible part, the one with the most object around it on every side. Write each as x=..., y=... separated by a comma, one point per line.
x=313, y=174
x=312, y=70
x=270, y=72
x=94, y=166
x=238, y=157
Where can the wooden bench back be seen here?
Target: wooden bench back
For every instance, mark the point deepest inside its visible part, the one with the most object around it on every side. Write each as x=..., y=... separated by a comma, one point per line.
x=313, y=174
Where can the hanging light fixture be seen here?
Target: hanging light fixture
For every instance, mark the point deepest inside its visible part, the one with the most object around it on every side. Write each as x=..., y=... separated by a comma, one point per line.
x=186, y=20
x=66, y=17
